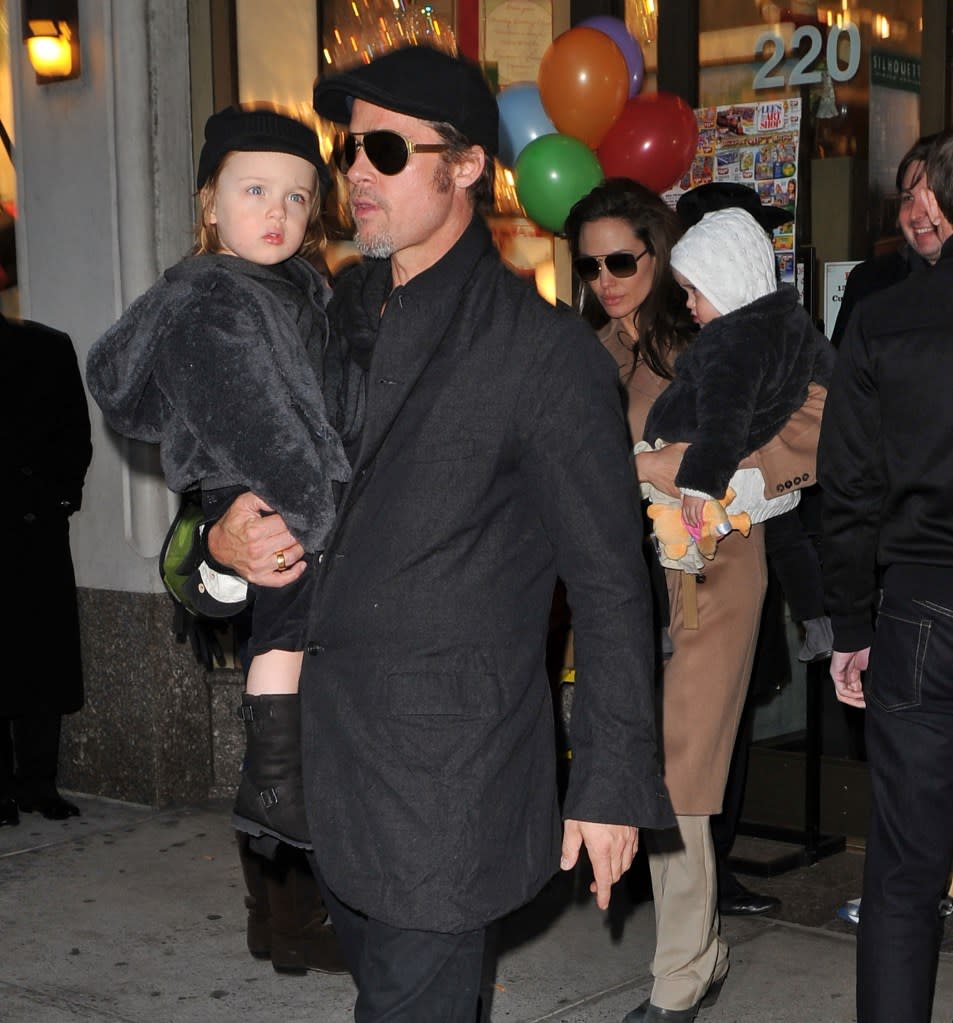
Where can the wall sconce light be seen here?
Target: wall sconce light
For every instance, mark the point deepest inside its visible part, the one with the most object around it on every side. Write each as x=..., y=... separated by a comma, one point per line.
x=51, y=34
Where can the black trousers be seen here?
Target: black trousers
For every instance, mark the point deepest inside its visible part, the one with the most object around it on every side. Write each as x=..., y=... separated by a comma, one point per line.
x=29, y=755
x=908, y=690
x=795, y=561
x=407, y=976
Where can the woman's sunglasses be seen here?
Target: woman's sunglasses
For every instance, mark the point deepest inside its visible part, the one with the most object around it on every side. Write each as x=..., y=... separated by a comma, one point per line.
x=619, y=264
x=388, y=151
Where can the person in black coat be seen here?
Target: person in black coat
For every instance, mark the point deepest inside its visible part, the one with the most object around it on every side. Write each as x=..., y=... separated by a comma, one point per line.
x=46, y=450
x=885, y=463
x=490, y=457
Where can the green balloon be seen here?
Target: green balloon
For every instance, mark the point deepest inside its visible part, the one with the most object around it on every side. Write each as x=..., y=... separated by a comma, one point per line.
x=552, y=173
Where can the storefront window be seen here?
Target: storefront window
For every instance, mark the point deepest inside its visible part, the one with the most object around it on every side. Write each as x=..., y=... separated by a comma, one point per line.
x=856, y=68
x=356, y=30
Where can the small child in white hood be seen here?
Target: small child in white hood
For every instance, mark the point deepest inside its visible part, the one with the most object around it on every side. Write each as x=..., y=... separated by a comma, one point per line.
x=749, y=368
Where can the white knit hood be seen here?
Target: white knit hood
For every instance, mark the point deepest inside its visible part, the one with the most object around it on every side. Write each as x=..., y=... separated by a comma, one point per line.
x=728, y=257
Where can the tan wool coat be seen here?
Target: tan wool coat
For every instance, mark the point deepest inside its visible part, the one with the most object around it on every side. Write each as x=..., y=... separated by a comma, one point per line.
x=706, y=680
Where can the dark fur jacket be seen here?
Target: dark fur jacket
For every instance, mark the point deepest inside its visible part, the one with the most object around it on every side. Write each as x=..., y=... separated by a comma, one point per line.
x=737, y=384
x=219, y=363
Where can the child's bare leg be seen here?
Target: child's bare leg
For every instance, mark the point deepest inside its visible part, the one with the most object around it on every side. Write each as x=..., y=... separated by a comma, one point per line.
x=274, y=672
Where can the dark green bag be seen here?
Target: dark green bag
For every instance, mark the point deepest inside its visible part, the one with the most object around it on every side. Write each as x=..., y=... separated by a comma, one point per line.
x=181, y=552
x=197, y=616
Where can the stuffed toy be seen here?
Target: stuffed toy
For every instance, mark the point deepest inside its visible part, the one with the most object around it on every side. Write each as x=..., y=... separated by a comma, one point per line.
x=674, y=537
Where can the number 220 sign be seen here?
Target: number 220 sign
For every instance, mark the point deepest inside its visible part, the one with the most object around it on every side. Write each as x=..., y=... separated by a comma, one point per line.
x=765, y=78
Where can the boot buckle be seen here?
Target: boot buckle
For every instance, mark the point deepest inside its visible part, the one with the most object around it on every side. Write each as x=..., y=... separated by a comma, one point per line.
x=268, y=798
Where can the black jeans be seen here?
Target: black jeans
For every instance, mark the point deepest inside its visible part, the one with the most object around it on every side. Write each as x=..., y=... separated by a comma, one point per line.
x=909, y=728
x=407, y=976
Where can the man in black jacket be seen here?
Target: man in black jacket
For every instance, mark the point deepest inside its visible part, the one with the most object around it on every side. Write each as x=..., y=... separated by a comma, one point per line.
x=490, y=455
x=885, y=464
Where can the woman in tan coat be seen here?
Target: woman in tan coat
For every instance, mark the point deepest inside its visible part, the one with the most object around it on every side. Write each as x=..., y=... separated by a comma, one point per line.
x=621, y=236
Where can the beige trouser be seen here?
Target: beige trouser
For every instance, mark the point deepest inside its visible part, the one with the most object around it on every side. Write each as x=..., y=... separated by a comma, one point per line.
x=689, y=952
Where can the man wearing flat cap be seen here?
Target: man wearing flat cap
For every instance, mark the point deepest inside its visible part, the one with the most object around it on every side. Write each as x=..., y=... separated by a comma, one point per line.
x=490, y=456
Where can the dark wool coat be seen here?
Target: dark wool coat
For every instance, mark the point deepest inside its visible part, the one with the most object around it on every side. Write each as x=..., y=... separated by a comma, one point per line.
x=885, y=461
x=737, y=385
x=493, y=457
x=45, y=450
x=219, y=363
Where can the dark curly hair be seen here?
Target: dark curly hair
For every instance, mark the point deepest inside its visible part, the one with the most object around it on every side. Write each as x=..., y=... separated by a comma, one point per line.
x=663, y=322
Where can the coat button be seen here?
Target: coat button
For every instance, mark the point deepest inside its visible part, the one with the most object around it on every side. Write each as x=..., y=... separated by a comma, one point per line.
x=313, y=648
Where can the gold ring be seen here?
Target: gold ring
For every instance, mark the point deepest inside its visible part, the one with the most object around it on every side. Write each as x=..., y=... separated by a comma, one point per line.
x=280, y=558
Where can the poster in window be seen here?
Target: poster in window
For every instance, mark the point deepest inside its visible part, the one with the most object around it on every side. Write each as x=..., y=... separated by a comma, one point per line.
x=754, y=144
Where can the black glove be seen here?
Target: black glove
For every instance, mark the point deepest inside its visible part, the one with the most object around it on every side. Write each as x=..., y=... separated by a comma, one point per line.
x=202, y=633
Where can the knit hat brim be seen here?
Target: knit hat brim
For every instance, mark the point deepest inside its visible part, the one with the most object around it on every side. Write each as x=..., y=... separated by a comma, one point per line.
x=258, y=130
x=719, y=195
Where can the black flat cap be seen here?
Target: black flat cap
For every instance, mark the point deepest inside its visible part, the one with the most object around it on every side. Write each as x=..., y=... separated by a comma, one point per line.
x=422, y=82
x=720, y=195
x=258, y=130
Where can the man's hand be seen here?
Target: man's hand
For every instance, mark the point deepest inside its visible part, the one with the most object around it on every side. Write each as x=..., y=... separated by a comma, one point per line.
x=660, y=467
x=248, y=540
x=845, y=671
x=611, y=848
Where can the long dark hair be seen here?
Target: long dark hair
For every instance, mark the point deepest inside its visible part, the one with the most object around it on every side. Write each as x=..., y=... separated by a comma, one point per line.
x=939, y=167
x=663, y=321
x=917, y=153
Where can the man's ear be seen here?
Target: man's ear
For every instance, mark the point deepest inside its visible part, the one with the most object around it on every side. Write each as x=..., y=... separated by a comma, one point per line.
x=469, y=167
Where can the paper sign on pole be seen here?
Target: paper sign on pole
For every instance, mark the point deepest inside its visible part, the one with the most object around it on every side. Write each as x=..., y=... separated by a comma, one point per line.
x=835, y=280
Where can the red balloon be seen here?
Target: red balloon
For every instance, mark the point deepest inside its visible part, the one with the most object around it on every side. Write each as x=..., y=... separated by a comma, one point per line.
x=653, y=141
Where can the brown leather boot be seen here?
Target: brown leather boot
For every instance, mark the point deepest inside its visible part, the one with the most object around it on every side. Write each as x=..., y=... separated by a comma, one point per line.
x=302, y=939
x=258, y=928
x=270, y=799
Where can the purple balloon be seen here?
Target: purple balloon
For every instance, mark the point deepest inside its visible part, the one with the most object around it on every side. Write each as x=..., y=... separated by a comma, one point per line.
x=615, y=29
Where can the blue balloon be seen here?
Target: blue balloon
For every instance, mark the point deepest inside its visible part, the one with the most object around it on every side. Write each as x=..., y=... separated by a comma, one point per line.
x=522, y=119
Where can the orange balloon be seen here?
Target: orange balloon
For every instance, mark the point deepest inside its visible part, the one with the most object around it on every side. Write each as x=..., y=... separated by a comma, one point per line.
x=583, y=83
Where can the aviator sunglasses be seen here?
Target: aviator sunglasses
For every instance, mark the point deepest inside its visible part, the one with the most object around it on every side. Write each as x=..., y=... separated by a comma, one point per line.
x=619, y=264
x=388, y=151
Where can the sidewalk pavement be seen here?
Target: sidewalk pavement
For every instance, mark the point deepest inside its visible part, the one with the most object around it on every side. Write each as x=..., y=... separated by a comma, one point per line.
x=129, y=914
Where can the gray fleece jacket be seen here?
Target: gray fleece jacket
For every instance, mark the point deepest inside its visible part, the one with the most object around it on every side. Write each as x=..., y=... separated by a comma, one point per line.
x=219, y=363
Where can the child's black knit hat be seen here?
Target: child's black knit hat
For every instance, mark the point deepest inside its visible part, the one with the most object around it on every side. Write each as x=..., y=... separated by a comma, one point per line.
x=258, y=130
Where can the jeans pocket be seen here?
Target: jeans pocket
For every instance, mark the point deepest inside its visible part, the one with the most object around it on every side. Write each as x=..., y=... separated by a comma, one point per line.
x=895, y=673
x=938, y=610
